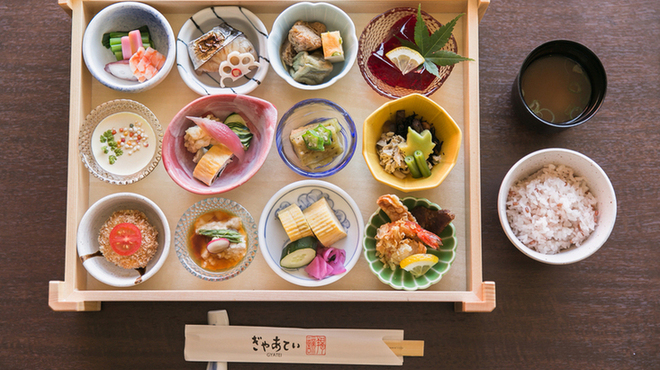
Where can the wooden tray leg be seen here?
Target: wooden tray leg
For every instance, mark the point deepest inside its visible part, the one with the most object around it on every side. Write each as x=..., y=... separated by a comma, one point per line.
x=487, y=303
x=56, y=302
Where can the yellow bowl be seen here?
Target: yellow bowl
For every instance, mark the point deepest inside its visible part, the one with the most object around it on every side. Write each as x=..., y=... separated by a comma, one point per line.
x=446, y=130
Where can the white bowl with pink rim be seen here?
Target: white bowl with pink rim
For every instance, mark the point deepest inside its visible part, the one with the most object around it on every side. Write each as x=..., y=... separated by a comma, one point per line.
x=598, y=183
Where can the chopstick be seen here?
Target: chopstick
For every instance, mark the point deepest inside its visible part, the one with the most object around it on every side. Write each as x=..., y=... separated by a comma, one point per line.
x=413, y=348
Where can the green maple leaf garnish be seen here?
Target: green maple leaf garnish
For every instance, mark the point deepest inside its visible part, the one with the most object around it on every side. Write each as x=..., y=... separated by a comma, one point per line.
x=430, y=46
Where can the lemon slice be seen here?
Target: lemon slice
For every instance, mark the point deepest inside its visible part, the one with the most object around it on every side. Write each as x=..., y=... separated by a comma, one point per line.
x=418, y=264
x=405, y=59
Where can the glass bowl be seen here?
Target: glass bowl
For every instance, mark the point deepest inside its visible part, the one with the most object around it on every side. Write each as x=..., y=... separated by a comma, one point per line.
x=402, y=279
x=312, y=111
x=89, y=148
x=273, y=238
x=376, y=32
x=183, y=230
x=88, y=233
x=203, y=21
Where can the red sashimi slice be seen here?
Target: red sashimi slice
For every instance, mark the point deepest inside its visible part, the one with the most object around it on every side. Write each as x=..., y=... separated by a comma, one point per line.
x=221, y=133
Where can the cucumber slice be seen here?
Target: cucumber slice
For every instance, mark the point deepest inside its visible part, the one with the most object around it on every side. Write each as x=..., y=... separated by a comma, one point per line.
x=299, y=253
x=237, y=124
x=235, y=117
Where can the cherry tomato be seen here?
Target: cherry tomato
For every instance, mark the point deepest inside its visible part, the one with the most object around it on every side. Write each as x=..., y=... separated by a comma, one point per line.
x=125, y=239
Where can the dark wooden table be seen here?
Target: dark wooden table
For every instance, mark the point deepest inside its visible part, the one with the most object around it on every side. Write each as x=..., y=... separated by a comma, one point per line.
x=601, y=313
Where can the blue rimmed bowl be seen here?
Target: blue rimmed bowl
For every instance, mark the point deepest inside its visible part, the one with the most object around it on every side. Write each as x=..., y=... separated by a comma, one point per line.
x=312, y=111
x=273, y=238
x=401, y=279
x=183, y=232
x=203, y=21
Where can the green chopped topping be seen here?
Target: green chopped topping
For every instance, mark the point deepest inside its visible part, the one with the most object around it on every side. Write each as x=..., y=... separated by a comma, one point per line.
x=109, y=137
x=232, y=235
x=317, y=138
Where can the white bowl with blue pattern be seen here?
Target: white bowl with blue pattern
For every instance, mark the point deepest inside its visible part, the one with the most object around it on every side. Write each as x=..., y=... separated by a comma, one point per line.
x=203, y=21
x=127, y=16
x=273, y=238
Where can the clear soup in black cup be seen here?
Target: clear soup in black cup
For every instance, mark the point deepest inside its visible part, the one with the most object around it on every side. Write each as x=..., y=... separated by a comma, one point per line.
x=560, y=84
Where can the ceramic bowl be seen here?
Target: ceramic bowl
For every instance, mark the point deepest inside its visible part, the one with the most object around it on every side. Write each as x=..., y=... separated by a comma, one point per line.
x=184, y=228
x=598, y=183
x=313, y=111
x=127, y=16
x=402, y=279
x=203, y=21
x=273, y=238
x=88, y=234
x=262, y=119
x=334, y=18
x=129, y=167
x=377, y=31
x=589, y=64
x=446, y=130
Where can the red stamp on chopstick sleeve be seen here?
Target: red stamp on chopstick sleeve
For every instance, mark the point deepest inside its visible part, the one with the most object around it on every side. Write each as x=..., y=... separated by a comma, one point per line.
x=315, y=345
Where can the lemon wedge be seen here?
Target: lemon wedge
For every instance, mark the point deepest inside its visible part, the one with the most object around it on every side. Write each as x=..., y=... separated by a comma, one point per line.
x=405, y=58
x=418, y=264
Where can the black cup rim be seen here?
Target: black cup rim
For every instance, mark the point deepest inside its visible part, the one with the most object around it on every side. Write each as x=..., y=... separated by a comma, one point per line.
x=580, y=54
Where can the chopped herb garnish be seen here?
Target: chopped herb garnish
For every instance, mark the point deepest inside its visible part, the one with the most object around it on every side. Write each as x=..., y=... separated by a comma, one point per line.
x=109, y=137
x=317, y=138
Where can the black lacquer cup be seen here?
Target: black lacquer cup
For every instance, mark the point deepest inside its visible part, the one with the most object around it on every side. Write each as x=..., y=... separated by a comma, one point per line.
x=591, y=66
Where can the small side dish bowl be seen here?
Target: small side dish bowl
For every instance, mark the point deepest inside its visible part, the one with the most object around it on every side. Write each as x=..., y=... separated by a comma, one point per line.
x=273, y=239
x=446, y=130
x=402, y=279
x=184, y=228
x=127, y=16
x=381, y=28
x=308, y=112
x=261, y=119
x=598, y=183
x=88, y=244
x=203, y=21
x=334, y=18
x=129, y=167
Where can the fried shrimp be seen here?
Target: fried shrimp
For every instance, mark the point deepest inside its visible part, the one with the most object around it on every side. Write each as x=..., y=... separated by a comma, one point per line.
x=394, y=209
x=402, y=237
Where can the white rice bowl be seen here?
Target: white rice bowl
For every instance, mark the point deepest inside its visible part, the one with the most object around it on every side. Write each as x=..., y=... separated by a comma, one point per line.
x=586, y=173
x=551, y=210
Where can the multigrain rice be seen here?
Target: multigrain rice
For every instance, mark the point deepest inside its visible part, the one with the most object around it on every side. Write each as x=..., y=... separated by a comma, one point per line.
x=552, y=210
x=149, y=239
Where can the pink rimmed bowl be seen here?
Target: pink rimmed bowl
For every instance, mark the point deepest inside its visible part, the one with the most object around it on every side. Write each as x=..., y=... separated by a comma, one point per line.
x=262, y=120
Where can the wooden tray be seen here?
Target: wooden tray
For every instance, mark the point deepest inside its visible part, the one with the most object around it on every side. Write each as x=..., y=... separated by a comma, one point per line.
x=460, y=192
